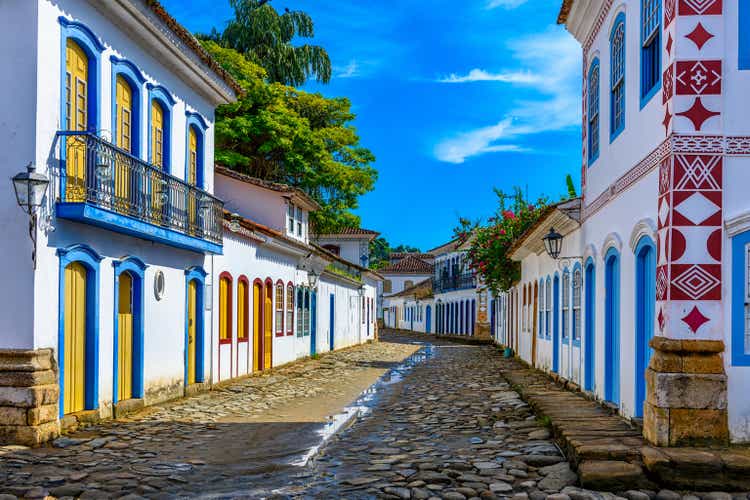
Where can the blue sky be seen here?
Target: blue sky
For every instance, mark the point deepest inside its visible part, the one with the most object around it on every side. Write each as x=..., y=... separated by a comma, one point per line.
x=452, y=97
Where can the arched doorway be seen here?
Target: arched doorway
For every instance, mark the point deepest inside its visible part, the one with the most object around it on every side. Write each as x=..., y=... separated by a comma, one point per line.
x=258, y=325
x=645, y=301
x=428, y=319
x=128, y=330
x=268, y=326
x=194, y=326
x=589, y=329
x=612, y=326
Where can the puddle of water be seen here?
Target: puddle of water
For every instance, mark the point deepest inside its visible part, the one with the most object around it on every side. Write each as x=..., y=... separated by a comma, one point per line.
x=366, y=401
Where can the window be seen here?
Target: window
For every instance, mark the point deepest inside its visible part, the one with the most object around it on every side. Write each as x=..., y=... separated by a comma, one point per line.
x=387, y=286
x=192, y=177
x=196, y=132
x=565, y=305
x=593, y=132
x=577, y=305
x=741, y=299
x=279, y=309
x=225, y=308
x=290, y=309
x=124, y=110
x=157, y=134
x=290, y=217
x=744, y=35
x=408, y=284
x=650, y=48
x=334, y=249
x=617, y=77
x=299, y=222
x=362, y=299
x=300, y=316
x=306, y=293
x=243, y=310
x=541, y=308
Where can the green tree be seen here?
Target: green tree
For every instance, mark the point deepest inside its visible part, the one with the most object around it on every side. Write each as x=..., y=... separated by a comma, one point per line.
x=279, y=133
x=571, y=187
x=380, y=252
x=265, y=37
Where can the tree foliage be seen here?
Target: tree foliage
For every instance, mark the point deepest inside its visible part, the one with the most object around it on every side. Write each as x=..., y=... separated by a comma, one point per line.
x=488, y=251
x=571, y=186
x=279, y=133
x=381, y=250
x=265, y=37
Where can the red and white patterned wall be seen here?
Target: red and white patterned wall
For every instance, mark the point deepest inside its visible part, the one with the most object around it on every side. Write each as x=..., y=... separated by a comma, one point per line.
x=689, y=274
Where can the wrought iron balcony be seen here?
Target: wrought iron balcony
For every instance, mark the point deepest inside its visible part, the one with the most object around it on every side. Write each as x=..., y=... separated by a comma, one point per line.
x=107, y=186
x=464, y=281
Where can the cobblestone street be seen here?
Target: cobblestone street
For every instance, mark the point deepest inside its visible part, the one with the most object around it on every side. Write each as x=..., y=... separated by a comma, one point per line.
x=440, y=422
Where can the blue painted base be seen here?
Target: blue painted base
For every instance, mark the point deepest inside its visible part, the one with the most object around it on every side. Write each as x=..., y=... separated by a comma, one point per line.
x=91, y=214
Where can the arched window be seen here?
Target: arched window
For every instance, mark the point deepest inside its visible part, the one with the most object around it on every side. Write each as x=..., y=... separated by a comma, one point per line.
x=225, y=308
x=617, y=77
x=541, y=308
x=300, y=315
x=290, y=309
x=243, y=309
x=279, y=309
x=650, y=48
x=565, y=305
x=196, y=128
x=593, y=116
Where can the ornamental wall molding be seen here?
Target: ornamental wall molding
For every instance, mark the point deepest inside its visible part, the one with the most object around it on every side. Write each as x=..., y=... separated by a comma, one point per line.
x=644, y=227
x=589, y=251
x=674, y=144
x=612, y=240
x=737, y=224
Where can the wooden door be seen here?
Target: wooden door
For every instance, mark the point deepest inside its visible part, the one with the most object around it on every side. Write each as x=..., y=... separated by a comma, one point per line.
x=192, y=177
x=158, y=191
x=192, y=330
x=125, y=338
x=535, y=330
x=76, y=105
x=74, y=338
x=268, y=327
x=124, y=125
x=257, y=326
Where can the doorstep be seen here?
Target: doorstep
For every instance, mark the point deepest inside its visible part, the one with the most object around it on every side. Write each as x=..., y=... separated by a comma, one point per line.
x=610, y=452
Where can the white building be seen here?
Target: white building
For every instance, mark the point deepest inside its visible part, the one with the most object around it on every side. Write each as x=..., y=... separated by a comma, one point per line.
x=412, y=308
x=404, y=272
x=658, y=276
x=140, y=286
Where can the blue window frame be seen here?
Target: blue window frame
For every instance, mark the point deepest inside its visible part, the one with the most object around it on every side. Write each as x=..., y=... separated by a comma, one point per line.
x=744, y=35
x=541, y=308
x=199, y=126
x=650, y=49
x=593, y=116
x=548, y=309
x=198, y=275
x=577, y=281
x=556, y=325
x=741, y=299
x=160, y=95
x=617, y=78
x=135, y=79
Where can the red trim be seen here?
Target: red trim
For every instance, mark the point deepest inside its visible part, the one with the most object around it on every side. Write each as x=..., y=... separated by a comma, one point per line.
x=290, y=326
x=246, y=307
x=258, y=282
x=279, y=333
x=226, y=275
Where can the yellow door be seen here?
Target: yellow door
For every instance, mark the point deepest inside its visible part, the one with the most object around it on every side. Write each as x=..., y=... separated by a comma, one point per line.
x=157, y=159
x=257, y=326
x=124, y=107
x=75, y=338
x=125, y=338
x=76, y=111
x=192, y=330
x=225, y=328
x=192, y=177
x=242, y=310
x=268, y=328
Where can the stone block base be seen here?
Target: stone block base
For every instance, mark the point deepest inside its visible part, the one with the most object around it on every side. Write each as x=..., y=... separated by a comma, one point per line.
x=482, y=331
x=127, y=407
x=28, y=397
x=686, y=394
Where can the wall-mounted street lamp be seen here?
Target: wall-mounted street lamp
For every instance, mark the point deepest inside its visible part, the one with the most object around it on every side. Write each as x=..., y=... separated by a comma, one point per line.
x=553, y=245
x=234, y=222
x=312, y=279
x=30, y=188
x=361, y=291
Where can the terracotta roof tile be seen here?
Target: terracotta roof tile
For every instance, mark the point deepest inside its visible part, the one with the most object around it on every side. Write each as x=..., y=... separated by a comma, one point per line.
x=421, y=290
x=408, y=265
x=562, y=17
x=273, y=186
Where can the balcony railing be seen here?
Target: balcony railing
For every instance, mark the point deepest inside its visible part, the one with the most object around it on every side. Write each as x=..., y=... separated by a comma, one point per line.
x=97, y=173
x=463, y=281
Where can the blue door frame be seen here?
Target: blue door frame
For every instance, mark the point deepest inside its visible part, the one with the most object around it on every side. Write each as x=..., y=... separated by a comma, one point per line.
x=428, y=319
x=556, y=324
x=612, y=326
x=645, y=300
x=332, y=320
x=313, y=323
x=589, y=355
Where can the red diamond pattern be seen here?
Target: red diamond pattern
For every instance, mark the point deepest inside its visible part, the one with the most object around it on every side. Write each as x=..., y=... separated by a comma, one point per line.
x=661, y=319
x=699, y=36
x=698, y=114
x=695, y=319
x=700, y=7
x=698, y=78
x=669, y=44
x=667, y=90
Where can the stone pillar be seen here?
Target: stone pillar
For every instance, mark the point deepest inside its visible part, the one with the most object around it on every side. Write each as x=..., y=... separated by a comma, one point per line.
x=482, y=326
x=686, y=396
x=29, y=395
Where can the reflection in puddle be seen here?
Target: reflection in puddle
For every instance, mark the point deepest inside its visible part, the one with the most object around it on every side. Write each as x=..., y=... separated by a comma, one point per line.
x=366, y=401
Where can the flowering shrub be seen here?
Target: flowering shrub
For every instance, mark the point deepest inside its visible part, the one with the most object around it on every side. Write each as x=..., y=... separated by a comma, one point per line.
x=488, y=251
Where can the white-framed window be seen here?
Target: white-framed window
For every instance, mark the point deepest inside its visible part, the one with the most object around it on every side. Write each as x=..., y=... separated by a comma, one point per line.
x=299, y=222
x=577, y=305
x=290, y=218
x=566, y=305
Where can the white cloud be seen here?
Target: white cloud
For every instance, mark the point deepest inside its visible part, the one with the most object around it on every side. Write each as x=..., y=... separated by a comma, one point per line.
x=351, y=70
x=480, y=75
x=556, y=61
x=505, y=4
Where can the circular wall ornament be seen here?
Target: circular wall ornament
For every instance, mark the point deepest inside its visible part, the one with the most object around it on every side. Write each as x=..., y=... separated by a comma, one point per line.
x=159, y=285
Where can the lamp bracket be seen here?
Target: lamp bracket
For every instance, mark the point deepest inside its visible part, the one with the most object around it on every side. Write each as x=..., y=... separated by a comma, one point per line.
x=568, y=261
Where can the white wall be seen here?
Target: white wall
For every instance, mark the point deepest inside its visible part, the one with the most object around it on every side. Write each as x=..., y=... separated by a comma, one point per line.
x=261, y=205
x=398, y=281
